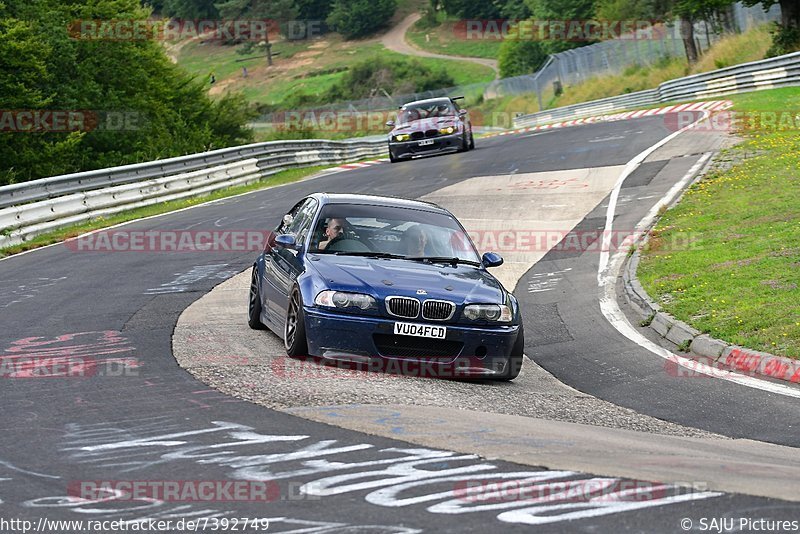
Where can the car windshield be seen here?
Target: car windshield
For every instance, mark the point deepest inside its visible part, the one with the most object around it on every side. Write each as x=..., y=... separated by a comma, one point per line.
x=349, y=229
x=414, y=112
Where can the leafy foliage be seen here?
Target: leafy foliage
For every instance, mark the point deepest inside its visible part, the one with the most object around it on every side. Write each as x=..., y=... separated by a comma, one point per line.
x=520, y=57
x=190, y=9
x=376, y=77
x=166, y=113
x=359, y=18
x=469, y=9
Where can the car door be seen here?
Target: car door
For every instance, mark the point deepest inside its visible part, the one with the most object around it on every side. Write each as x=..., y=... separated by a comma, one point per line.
x=284, y=265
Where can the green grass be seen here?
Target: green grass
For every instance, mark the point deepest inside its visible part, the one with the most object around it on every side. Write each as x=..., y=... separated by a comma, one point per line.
x=201, y=59
x=283, y=177
x=726, y=259
x=443, y=39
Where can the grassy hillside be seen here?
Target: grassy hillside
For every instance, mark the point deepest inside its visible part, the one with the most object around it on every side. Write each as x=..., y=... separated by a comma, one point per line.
x=730, y=50
x=308, y=66
x=442, y=39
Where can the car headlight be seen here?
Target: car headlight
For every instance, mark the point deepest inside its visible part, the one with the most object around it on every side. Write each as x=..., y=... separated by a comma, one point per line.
x=343, y=299
x=488, y=312
x=447, y=131
x=402, y=137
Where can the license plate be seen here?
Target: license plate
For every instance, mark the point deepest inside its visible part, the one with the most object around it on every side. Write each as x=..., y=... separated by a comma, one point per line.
x=426, y=142
x=420, y=330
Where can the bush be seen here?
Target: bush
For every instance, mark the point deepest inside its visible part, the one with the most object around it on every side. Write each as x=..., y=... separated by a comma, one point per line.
x=785, y=40
x=519, y=57
x=166, y=113
x=395, y=76
x=360, y=18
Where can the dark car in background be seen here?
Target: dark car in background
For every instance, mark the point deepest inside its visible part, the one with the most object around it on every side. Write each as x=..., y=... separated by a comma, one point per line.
x=428, y=127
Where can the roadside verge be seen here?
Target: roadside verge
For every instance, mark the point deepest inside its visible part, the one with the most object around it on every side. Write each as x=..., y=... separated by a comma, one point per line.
x=722, y=264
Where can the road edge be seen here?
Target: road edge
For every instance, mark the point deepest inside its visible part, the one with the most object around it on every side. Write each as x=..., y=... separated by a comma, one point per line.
x=716, y=353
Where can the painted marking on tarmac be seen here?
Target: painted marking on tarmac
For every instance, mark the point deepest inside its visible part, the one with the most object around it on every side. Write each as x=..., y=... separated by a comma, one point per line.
x=444, y=482
x=609, y=268
x=542, y=282
x=183, y=281
x=12, y=295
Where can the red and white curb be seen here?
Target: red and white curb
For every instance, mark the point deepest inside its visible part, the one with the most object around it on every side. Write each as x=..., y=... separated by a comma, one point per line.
x=360, y=165
x=712, y=105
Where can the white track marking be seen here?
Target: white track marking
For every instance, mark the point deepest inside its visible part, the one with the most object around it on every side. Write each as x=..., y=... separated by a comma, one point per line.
x=608, y=270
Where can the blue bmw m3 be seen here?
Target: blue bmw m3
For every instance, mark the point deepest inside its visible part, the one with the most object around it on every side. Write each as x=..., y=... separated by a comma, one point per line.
x=386, y=282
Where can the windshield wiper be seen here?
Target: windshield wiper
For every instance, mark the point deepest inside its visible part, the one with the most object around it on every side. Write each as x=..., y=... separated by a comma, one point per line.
x=368, y=254
x=443, y=259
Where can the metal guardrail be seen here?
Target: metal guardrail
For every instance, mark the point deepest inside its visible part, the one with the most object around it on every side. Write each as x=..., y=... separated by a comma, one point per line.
x=31, y=208
x=765, y=74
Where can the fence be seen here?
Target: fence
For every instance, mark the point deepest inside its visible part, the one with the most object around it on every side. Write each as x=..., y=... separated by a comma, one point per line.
x=32, y=208
x=765, y=74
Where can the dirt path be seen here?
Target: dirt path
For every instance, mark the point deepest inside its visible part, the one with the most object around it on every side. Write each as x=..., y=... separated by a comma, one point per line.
x=395, y=40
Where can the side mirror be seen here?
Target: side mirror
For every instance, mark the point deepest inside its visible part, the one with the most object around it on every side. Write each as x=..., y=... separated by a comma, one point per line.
x=490, y=259
x=390, y=124
x=285, y=240
x=462, y=112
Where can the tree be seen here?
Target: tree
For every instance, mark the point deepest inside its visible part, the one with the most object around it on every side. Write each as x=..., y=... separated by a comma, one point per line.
x=44, y=68
x=190, y=9
x=688, y=12
x=561, y=10
x=470, y=9
x=359, y=18
x=519, y=57
x=787, y=37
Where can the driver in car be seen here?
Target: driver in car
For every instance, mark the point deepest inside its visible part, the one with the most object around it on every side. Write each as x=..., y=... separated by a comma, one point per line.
x=334, y=230
x=416, y=241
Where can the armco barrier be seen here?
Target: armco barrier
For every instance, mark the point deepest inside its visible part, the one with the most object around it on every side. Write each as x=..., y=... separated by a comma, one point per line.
x=32, y=208
x=779, y=71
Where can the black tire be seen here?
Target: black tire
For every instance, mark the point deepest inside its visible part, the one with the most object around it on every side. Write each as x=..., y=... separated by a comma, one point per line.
x=392, y=158
x=254, y=305
x=514, y=364
x=294, y=331
x=464, y=143
x=471, y=141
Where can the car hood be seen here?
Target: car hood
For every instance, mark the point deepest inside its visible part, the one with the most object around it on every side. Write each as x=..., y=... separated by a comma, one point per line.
x=425, y=124
x=381, y=277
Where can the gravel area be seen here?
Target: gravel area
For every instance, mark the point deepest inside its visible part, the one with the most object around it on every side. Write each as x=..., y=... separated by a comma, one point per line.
x=212, y=341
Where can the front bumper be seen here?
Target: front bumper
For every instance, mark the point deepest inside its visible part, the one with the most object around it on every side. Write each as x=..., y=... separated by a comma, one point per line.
x=441, y=145
x=466, y=351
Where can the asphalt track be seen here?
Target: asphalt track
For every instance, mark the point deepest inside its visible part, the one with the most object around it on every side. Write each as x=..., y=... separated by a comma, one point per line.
x=161, y=424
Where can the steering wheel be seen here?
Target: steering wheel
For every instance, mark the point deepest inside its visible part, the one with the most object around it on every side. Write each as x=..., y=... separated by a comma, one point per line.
x=334, y=240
